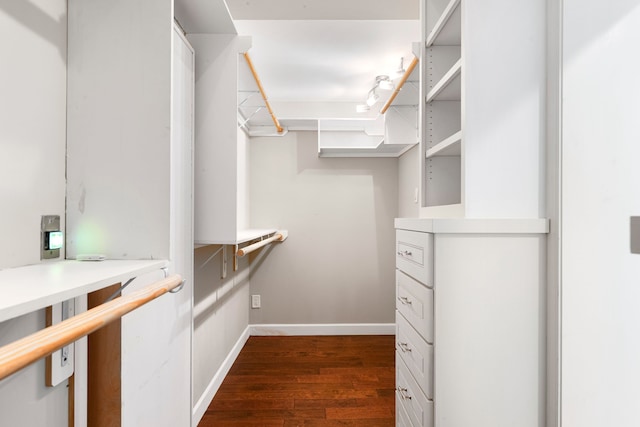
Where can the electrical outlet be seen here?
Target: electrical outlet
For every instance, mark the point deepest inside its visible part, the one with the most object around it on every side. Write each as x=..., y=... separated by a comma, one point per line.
x=255, y=301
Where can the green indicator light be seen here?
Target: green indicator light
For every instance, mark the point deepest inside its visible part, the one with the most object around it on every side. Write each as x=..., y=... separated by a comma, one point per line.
x=54, y=240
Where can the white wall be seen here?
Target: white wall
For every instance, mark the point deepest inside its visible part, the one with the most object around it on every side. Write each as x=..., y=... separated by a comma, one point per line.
x=337, y=266
x=33, y=43
x=33, y=37
x=600, y=190
x=220, y=317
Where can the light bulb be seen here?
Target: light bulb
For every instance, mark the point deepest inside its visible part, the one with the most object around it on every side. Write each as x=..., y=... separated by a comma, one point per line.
x=373, y=97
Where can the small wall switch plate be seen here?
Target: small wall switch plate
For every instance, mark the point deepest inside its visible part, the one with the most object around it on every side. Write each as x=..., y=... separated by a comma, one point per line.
x=51, y=238
x=634, y=234
x=59, y=365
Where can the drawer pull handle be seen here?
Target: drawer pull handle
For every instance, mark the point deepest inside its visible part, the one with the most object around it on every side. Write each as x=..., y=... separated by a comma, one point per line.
x=403, y=393
x=405, y=253
x=404, y=347
x=404, y=300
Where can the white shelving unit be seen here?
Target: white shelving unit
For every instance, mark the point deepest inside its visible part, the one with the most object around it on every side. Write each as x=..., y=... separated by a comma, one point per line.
x=481, y=134
x=31, y=288
x=221, y=147
x=481, y=199
x=357, y=138
x=442, y=150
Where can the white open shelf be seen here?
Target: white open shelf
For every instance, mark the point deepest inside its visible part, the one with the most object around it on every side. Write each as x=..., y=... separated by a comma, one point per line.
x=443, y=211
x=446, y=31
x=382, y=150
x=449, y=147
x=242, y=236
x=34, y=287
x=449, y=86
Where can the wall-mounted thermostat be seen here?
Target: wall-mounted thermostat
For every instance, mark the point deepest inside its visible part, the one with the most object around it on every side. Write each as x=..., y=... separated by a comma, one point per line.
x=51, y=238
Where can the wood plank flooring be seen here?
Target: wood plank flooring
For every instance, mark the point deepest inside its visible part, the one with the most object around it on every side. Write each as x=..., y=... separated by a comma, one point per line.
x=308, y=381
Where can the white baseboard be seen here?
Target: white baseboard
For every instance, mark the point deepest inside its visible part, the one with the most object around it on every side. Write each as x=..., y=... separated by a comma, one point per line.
x=203, y=403
x=325, y=329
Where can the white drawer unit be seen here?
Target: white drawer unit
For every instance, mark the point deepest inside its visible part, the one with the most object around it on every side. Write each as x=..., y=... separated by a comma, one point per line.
x=462, y=335
x=402, y=419
x=416, y=353
x=415, y=303
x=418, y=407
x=414, y=255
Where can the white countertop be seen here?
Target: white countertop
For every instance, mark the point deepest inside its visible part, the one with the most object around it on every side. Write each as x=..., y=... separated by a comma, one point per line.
x=474, y=225
x=33, y=287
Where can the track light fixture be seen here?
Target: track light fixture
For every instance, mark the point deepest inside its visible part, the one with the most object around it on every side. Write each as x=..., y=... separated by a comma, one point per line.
x=383, y=82
x=372, y=97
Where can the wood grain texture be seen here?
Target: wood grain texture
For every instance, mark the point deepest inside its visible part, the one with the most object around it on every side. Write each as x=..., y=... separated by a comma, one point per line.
x=308, y=381
x=104, y=408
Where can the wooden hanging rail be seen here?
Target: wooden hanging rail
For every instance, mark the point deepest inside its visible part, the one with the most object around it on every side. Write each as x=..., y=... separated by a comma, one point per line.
x=401, y=83
x=279, y=128
x=278, y=237
x=25, y=351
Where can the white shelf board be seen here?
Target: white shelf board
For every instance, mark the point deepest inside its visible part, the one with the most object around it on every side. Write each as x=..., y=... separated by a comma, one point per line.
x=474, y=225
x=242, y=236
x=449, y=147
x=442, y=211
x=34, y=287
x=382, y=150
x=448, y=88
x=252, y=234
x=447, y=29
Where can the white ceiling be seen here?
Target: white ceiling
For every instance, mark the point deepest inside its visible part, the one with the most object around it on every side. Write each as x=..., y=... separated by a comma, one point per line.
x=316, y=51
x=326, y=61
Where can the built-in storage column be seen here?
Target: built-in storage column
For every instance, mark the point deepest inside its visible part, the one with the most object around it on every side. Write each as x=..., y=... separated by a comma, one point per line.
x=129, y=182
x=470, y=322
x=414, y=328
x=482, y=112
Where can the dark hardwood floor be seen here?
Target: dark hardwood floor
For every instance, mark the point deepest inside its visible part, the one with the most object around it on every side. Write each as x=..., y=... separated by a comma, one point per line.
x=308, y=381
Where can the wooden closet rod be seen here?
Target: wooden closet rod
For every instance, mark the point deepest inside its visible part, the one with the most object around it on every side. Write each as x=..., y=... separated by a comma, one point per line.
x=401, y=83
x=25, y=351
x=264, y=95
x=247, y=249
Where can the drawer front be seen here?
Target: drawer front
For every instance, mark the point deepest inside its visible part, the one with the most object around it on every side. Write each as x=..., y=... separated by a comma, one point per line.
x=415, y=302
x=416, y=353
x=402, y=419
x=418, y=407
x=414, y=255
